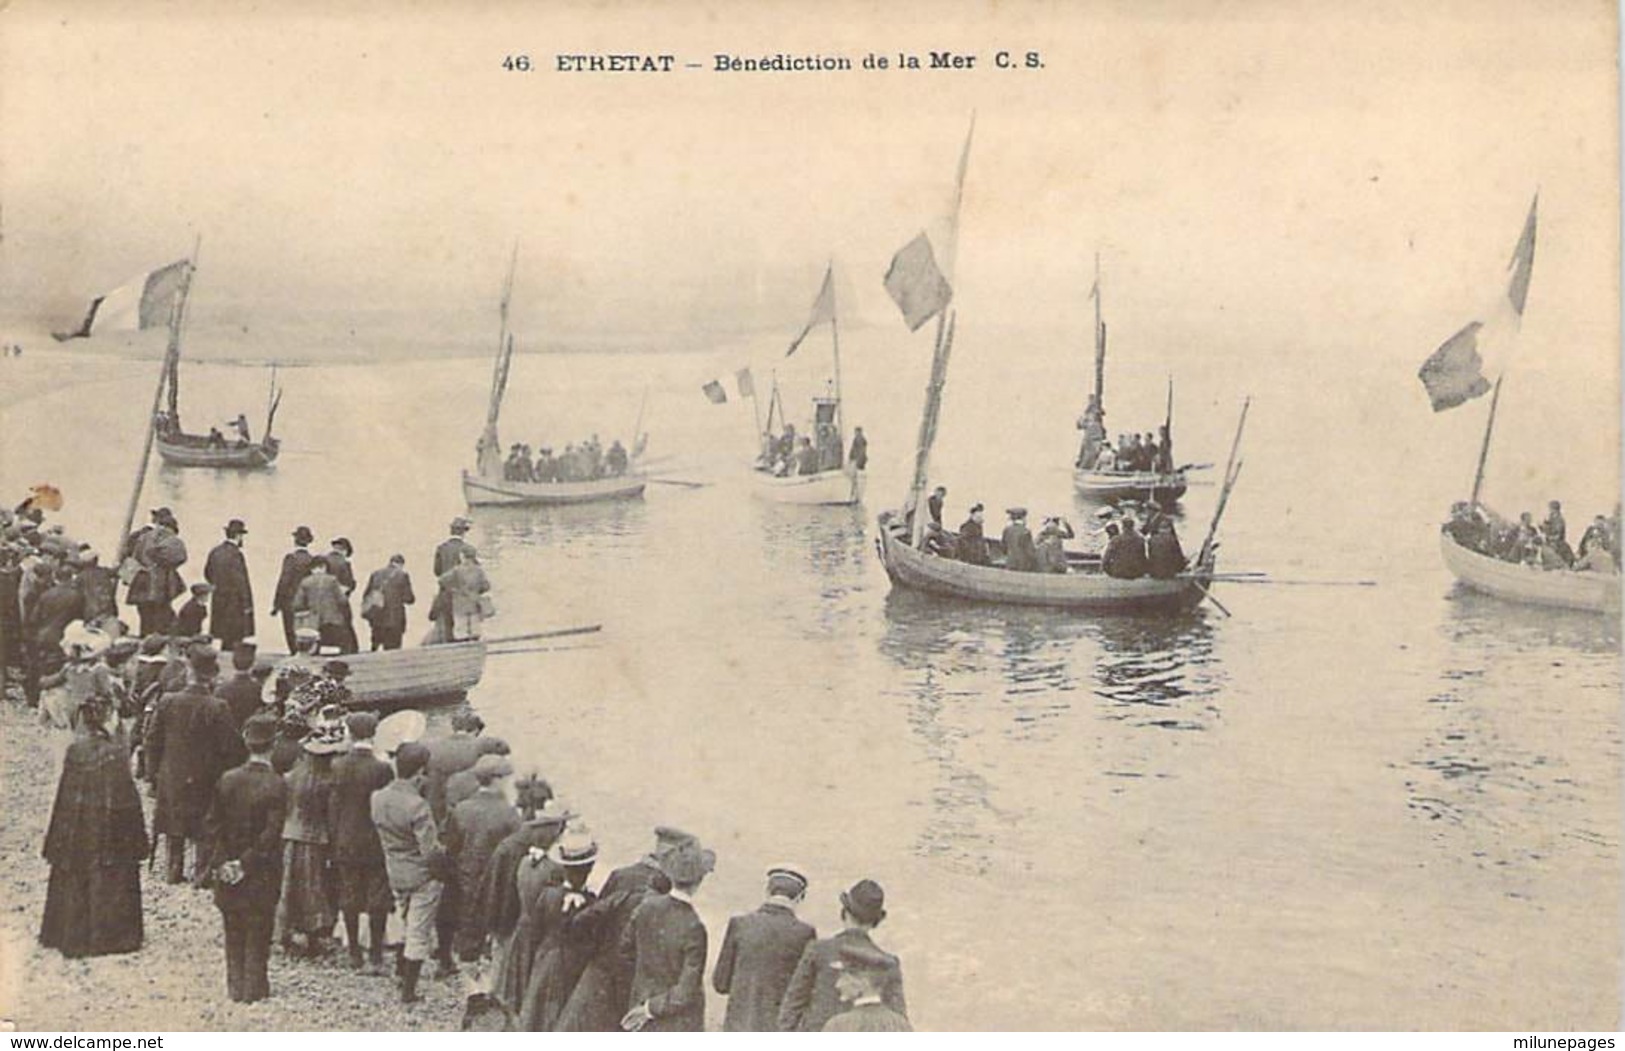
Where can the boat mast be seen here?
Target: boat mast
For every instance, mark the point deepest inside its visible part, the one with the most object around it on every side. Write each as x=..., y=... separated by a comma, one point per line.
x=165, y=380
x=1517, y=293
x=488, y=451
x=1100, y=348
x=939, y=358
x=1484, y=450
x=173, y=357
x=835, y=338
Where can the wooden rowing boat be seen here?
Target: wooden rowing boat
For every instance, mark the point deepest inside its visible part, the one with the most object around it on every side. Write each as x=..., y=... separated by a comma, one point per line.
x=194, y=450
x=1516, y=582
x=415, y=677
x=1110, y=487
x=841, y=487
x=1085, y=589
x=486, y=486
x=479, y=491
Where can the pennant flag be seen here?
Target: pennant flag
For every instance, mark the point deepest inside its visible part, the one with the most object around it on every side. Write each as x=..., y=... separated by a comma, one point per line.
x=916, y=284
x=747, y=385
x=1454, y=373
x=714, y=391
x=143, y=302
x=823, y=309
x=1523, y=261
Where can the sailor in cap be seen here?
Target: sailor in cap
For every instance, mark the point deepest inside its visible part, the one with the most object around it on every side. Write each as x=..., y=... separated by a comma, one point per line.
x=668, y=945
x=760, y=951
x=971, y=546
x=1019, y=552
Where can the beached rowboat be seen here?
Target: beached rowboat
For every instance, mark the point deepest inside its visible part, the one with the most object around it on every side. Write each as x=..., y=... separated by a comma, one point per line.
x=479, y=491
x=421, y=675
x=1515, y=582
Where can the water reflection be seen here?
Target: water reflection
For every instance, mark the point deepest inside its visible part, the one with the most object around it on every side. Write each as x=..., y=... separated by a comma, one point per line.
x=1488, y=621
x=506, y=527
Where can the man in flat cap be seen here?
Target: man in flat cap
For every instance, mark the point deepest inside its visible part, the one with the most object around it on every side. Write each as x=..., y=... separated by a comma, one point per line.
x=476, y=827
x=413, y=858
x=192, y=742
x=667, y=942
x=760, y=952
x=599, y=1000
x=860, y=975
x=971, y=546
x=231, y=615
x=358, y=856
x=1020, y=554
x=811, y=1000
x=295, y=567
x=244, y=836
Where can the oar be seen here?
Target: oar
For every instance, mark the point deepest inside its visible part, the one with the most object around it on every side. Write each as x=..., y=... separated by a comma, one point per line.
x=1261, y=579
x=678, y=482
x=1209, y=596
x=585, y=629
x=1195, y=467
x=533, y=649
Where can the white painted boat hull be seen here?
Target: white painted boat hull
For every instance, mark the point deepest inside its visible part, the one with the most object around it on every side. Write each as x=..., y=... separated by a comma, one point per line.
x=1112, y=486
x=486, y=492
x=837, y=488
x=1514, y=582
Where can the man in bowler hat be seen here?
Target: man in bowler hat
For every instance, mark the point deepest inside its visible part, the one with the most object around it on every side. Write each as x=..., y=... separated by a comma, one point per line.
x=812, y=1000
x=244, y=836
x=295, y=567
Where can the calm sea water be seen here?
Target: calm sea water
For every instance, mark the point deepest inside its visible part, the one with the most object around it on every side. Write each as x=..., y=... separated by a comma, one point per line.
x=1394, y=806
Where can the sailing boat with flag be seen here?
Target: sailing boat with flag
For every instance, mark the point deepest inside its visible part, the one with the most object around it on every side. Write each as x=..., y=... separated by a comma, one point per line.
x=489, y=484
x=811, y=469
x=1112, y=480
x=919, y=282
x=159, y=299
x=1473, y=541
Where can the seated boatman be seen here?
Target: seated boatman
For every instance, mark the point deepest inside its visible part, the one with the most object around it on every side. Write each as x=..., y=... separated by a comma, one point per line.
x=1019, y=552
x=972, y=545
x=1125, y=557
x=1051, y=545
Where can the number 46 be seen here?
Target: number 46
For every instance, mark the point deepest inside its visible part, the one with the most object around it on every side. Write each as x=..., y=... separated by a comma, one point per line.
x=517, y=63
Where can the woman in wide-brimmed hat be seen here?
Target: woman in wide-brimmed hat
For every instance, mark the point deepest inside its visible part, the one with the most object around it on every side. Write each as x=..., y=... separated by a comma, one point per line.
x=308, y=903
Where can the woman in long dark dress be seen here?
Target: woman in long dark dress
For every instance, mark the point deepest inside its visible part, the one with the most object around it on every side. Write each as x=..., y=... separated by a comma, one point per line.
x=95, y=845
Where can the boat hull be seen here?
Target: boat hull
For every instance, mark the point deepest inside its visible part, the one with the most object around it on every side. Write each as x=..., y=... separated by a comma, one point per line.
x=1110, y=487
x=1085, y=591
x=1513, y=582
x=485, y=492
x=837, y=488
x=416, y=677
x=198, y=453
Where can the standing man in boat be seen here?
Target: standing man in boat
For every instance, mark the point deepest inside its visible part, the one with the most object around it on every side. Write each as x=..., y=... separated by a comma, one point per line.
x=859, y=456
x=295, y=565
x=972, y=545
x=933, y=503
x=232, y=616
x=1051, y=545
x=384, y=602
x=1019, y=552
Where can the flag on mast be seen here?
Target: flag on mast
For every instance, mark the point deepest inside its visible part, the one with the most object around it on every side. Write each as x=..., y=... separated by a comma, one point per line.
x=714, y=391
x=747, y=384
x=823, y=309
x=916, y=284
x=140, y=303
x=1454, y=374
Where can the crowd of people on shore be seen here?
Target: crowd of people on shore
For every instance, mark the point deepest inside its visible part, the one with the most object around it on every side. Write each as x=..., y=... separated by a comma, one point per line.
x=786, y=453
x=1130, y=547
x=1544, y=545
x=301, y=816
x=584, y=462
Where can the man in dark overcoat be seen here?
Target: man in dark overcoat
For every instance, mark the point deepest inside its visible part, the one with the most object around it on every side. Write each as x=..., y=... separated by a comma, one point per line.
x=667, y=943
x=357, y=854
x=243, y=693
x=812, y=999
x=972, y=545
x=295, y=565
x=232, y=615
x=244, y=832
x=384, y=602
x=760, y=952
x=159, y=552
x=474, y=830
x=191, y=743
x=598, y=1002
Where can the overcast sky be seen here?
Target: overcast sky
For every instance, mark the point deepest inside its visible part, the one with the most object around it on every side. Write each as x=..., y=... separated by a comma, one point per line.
x=1294, y=164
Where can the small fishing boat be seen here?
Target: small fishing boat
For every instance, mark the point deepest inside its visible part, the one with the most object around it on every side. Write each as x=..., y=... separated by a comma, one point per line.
x=838, y=483
x=1453, y=376
x=1516, y=582
x=1163, y=486
x=488, y=485
x=417, y=676
x=1085, y=587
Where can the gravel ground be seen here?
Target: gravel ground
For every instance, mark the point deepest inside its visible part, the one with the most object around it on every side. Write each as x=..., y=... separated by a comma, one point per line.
x=177, y=981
